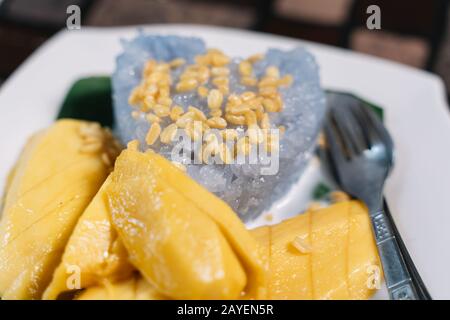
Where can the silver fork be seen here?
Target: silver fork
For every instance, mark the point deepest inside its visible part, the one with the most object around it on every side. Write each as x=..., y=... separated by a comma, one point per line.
x=361, y=152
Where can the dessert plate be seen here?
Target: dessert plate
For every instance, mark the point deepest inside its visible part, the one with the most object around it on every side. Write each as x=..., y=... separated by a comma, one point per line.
x=415, y=111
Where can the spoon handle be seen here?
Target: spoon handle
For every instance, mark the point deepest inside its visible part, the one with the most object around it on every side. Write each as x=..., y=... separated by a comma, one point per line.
x=396, y=274
x=421, y=289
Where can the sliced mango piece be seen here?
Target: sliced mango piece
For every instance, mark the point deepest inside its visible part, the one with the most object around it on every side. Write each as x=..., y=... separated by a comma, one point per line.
x=362, y=254
x=329, y=238
x=20, y=163
x=321, y=254
x=290, y=270
x=244, y=246
x=53, y=182
x=175, y=245
x=94, y=248
x=134, y=288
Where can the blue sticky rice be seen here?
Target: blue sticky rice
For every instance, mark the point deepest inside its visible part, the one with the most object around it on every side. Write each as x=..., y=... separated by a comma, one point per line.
x=240, y=185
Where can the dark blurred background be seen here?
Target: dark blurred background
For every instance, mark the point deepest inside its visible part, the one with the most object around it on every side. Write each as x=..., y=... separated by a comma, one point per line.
x=416, y=33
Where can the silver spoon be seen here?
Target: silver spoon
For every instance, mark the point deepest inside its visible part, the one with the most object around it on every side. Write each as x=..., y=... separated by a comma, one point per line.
x=361, y=153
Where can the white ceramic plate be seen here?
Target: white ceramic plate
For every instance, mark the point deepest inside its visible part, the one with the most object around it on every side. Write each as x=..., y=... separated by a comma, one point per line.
x=414, y=102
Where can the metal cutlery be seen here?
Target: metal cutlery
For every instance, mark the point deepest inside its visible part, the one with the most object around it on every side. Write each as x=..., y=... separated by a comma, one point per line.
x=361, y=154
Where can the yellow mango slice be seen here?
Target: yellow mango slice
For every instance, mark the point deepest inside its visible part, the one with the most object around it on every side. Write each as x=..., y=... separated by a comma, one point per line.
x=262, y=235
x=134, y=288
x=329, y=234
x=53, y=182
x=290, y=272
x=337, y=248
x=362, y=254
x=244, y=246
x=94, y=248
x=177, y=247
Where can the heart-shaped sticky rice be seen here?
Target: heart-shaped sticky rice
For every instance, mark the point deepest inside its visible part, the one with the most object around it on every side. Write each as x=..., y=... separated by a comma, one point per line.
x=245, y=187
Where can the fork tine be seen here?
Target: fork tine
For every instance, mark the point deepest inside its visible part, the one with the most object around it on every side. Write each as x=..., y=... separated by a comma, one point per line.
x=379, y=127
x=342, y=132
x=352, y=132
x=369, y=131
x=334, y=143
